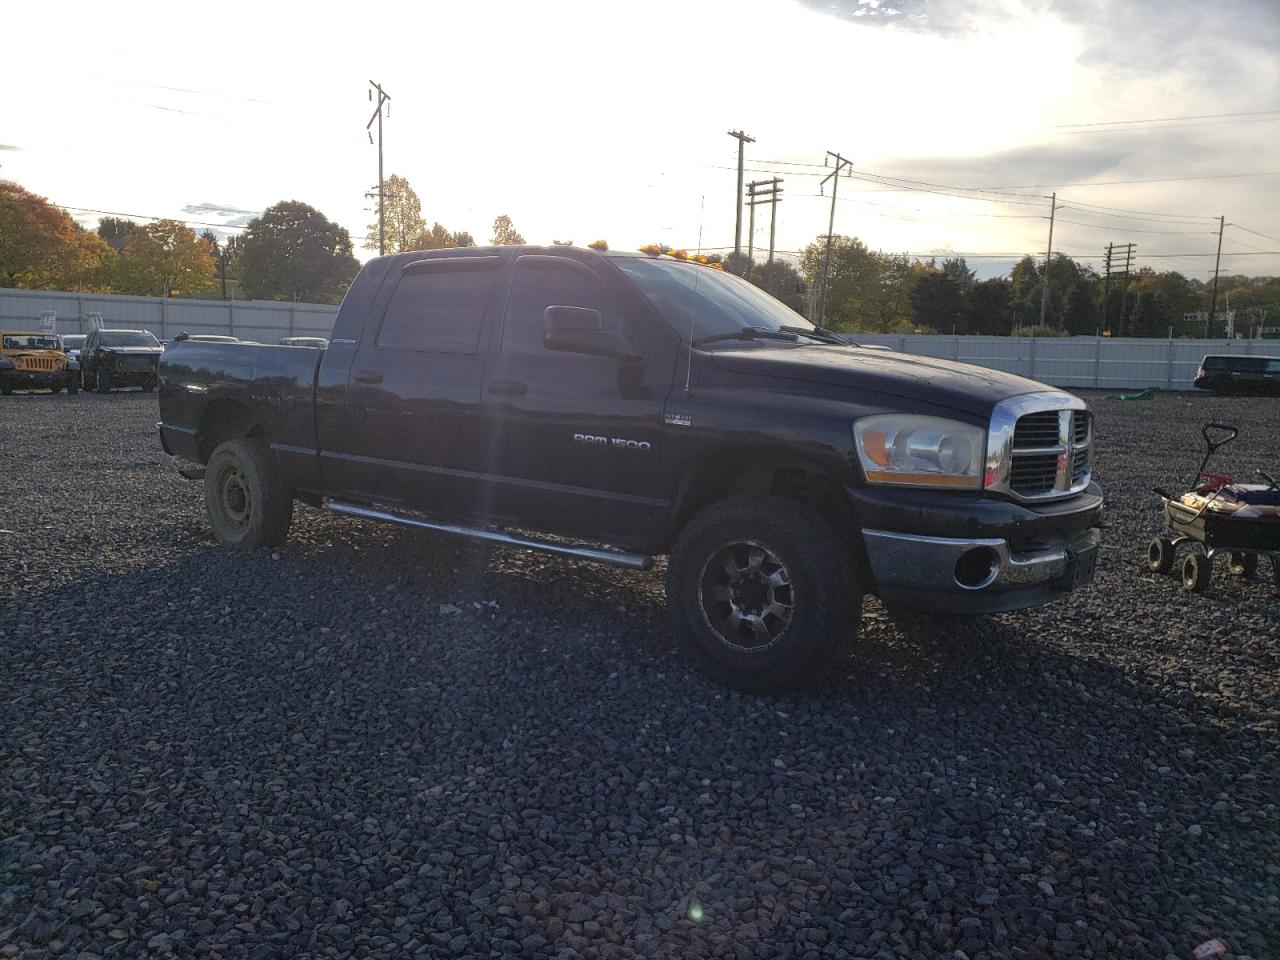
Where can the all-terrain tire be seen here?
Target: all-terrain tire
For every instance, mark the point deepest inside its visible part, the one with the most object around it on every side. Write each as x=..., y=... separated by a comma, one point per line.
x=1160, y=555
x=761, y=593
x=104, y=381
x=248, y=503
x=1197, y=571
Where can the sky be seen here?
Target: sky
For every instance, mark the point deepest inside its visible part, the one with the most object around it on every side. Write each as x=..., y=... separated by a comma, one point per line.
x=609, y=120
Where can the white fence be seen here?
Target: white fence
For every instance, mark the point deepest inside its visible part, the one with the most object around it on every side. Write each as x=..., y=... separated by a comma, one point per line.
x=1106, y=363
x=1103, y=362
x=263, y=320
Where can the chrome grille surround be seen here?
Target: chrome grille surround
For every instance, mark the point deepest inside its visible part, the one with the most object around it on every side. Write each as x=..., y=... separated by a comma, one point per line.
x=1035, y=463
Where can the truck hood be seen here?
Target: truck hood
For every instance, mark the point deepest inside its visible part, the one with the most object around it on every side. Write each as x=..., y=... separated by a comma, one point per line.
x=945, y=383
x=135, y=351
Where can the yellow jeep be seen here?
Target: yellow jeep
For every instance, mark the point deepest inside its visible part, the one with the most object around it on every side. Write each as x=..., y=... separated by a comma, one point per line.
x=31, y=361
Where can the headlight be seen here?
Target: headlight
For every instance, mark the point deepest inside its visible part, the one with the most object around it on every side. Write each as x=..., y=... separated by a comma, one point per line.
x=903, y=448
x=6, y=363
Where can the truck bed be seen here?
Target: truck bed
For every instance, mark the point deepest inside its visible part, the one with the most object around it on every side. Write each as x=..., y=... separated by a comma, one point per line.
x=278, y=384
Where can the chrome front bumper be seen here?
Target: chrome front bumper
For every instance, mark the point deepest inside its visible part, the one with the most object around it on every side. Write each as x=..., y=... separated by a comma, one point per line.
x=977, y=575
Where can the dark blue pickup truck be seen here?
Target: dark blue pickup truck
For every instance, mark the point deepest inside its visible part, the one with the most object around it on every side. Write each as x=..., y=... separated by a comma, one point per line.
x=651, y=405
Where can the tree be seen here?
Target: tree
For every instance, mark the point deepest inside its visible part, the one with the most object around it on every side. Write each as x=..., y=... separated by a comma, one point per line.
x=42, y=248
x=463, y=239
x=293, y=252
x=783, y=280
x=402, y=212
x=854, y=288
x=115, y=231
x=938, y=301
x=162, y=258
x=1080, y=313
x=504, y=233
x=989, y=305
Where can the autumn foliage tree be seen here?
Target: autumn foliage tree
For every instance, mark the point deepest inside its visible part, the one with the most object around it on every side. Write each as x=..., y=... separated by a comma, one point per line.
x=505, y=233
x=42, y=248
x=294, y=252
x=163, y=259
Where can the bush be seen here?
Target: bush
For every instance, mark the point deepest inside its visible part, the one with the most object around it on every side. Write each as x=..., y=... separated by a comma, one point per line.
x=1038, y=330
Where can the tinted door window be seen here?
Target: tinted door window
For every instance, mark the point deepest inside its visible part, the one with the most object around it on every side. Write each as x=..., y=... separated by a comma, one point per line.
x=437, y=310
x=534, y=288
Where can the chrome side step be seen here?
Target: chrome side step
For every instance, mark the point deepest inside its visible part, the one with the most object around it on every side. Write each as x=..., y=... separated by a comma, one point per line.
x=613, y=558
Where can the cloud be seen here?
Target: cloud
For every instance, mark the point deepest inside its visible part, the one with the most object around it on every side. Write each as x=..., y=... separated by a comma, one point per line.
x=217, y=209
x=946, y=17
x=1124, y=154
x=230, y=216
x=8, y=146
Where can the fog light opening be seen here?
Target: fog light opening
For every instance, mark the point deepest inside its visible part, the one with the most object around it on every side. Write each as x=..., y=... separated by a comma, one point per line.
x=977, y=568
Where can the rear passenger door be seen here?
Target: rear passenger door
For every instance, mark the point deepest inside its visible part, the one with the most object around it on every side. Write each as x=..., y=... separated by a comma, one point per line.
x=408, y=431
x=572, y=441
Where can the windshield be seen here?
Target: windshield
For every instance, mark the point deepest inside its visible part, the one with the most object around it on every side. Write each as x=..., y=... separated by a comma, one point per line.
x=129, y=340
x=714, y=301
x=30, y=341
x=74, y=341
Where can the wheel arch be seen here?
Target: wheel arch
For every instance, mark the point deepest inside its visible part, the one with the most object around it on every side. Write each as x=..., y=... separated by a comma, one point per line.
x=227, y=419
x=757, y=471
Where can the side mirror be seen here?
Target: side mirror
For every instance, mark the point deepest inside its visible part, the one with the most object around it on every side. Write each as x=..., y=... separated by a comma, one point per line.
x=579, y=330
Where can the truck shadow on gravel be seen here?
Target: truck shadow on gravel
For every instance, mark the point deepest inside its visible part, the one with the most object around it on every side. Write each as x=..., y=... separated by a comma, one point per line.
x=483, y=703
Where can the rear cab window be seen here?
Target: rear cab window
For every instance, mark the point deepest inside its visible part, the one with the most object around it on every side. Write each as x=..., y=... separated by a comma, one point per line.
x=438, y=306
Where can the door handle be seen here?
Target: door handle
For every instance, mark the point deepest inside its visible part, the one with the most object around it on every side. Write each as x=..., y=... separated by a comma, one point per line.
x=367, y=376
x=509, y=388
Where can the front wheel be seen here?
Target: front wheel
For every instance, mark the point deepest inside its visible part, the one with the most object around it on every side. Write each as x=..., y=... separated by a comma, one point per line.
x=6, y=388
x=73, y=385
x=248, y=503
x=1160, y=555
x=104, y=381
x=1197, y=571
x=148, y=386
x=761, y=593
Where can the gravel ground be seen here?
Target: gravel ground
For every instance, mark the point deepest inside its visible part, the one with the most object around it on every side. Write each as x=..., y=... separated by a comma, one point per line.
x=379, y=743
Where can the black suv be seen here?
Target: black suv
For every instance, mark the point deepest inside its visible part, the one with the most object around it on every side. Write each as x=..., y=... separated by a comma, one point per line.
x=120, y=358
x=1226, y=374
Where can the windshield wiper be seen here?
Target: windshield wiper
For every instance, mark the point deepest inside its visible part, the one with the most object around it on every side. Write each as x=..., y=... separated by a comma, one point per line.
x=816, y=333
x=748, y=333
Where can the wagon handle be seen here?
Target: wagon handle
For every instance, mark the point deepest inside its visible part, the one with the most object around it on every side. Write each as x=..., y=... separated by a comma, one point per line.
x=1214, y=445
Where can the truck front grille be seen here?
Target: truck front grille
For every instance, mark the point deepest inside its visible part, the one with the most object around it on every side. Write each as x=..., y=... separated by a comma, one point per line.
x=1050, y=453
x=38, y=363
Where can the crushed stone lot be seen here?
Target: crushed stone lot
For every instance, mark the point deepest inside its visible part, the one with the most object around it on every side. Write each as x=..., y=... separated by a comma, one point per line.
x=374, y=742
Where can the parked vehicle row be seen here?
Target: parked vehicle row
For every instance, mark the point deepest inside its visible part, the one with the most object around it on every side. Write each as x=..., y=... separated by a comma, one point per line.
x=101, y=360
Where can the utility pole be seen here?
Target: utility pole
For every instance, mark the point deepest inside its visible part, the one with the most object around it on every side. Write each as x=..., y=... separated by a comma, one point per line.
x=743, y=140
x=383, y=97
x=1106, y=284
x=834, y=177
x=758, y=192
x=1048, y=259
x=1213, y=300
x=1124, y=290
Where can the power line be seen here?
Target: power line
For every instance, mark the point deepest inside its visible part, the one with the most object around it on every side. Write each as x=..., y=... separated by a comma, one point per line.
x=1200, y=116
x=1256, y=233
x=1108, y=226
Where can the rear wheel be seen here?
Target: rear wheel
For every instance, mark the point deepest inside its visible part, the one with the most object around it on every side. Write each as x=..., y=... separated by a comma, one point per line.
x=248, y=503
x=1242, y=564
x=1160, y=555
x=761, y=593
x=73, y=384
x=1197, y=571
